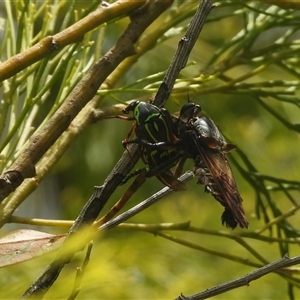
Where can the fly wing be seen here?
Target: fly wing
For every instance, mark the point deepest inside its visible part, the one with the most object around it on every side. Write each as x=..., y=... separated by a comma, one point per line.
x=168, y=179
x=220, y=182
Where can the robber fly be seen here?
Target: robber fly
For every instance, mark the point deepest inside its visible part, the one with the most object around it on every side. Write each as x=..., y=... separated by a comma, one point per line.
x=203, y=142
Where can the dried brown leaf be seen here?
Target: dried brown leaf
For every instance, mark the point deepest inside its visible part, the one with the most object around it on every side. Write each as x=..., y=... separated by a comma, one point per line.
x=24, y=244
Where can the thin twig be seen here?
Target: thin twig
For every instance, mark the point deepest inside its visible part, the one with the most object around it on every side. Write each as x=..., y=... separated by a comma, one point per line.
x=70, y=35
x=182, y=54
x=80, y=273
x=244, y=280
x=144, y=204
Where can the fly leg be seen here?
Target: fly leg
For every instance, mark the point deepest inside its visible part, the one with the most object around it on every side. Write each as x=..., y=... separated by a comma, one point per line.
x=159, y=145
x=137, y=183
x=161, y=172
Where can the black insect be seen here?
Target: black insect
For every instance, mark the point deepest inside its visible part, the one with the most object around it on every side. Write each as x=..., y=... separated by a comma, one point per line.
x=202, y=141
x=155, y=134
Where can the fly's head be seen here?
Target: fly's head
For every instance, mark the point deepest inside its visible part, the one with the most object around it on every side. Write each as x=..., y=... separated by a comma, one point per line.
x=189, y=111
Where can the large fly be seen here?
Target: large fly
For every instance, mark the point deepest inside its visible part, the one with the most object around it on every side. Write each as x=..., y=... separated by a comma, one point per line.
x=205, y=144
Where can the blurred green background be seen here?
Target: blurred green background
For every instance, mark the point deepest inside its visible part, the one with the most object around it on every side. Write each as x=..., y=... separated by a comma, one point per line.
x=128, y=264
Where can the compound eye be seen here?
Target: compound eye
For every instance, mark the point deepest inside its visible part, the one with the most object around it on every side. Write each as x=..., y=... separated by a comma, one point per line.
x=187, y=108
x=197, y=109
x=188, y=111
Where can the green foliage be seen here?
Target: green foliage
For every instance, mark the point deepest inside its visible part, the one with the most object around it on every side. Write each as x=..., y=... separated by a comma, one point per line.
x=244, y=71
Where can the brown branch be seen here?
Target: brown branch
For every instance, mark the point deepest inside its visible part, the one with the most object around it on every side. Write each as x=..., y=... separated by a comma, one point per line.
x=182, y=54
x=72, y=34
x=41, y=141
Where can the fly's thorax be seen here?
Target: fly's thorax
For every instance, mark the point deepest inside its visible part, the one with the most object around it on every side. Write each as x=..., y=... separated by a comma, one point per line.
x=205, y=127
x=209, y=134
